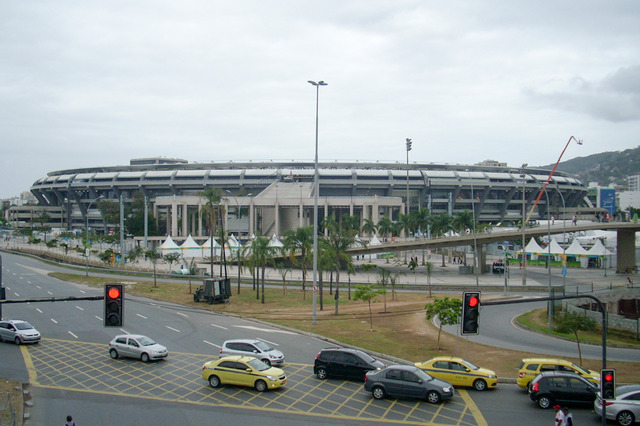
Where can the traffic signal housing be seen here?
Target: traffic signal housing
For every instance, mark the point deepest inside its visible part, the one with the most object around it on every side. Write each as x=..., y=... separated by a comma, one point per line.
x=608, y=383
x=470, y=312
x=113, y=305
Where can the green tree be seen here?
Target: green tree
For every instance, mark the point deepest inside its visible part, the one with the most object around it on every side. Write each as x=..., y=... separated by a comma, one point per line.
x=171, y=258
x=261, y=257
x=367, y=293
x=298, y=244
x=462, y=221
x=43, y=220
x=447, y=310
x=572, y=322
x=211, y=209
x=385, y=226
x=340, y=237
x=134, y=212
x=153, y=257
x=421, y=220
x=368, y=227
x=441, y=224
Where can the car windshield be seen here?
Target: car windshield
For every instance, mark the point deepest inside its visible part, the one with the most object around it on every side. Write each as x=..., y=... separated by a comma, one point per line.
x=368, y=359
x=258, y=365
x=471, y=366
x=145, y=341
x=580, y=369
x=263, y=346
x=23, y=326
x=424, y=376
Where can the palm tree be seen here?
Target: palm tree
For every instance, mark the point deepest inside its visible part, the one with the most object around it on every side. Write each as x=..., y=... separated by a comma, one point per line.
x=340, y=237
x=261, y=256
x=299, y=245
x=404, y=224
x=213, y=196
x=440, y=225
x=463, y=221
x=421, y=219
x=368, y=227
x=385, y=226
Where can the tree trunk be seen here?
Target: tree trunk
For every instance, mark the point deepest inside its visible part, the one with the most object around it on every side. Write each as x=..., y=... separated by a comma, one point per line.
x=263, y=268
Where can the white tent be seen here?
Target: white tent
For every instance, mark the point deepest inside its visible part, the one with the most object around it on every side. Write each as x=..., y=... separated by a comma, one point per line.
x=555, y=247
x=357, y=242
x=598, y=249
x=206, y=248
x=190, y=248
x=168, y=245
x=275, y=242
x=575, y=249
x=533, y=248
x=374, y=241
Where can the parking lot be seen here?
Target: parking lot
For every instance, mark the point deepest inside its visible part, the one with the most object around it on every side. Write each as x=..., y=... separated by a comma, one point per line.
x=87, y=367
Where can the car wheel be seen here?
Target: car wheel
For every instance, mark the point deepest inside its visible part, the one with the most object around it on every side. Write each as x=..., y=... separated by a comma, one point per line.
x=625, y=418
x=433, y=397
x=544, y=402
x=144, y=357
x=321, y=373
x=266, y=361
x=261, y=386
x=480, y=385
x=214, y=381
x=377, y=392
x=17, y=340
x=113, y=353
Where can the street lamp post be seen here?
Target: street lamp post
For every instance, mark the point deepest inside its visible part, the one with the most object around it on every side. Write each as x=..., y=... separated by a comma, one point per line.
x=315, y=205
x=475, y=238
x=86, y=235
x=550, y=302
x=408, y=149
x=564, y=243
x=524, y=242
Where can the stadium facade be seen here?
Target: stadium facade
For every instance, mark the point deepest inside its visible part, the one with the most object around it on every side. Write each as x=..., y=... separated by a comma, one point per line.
x=271, y=197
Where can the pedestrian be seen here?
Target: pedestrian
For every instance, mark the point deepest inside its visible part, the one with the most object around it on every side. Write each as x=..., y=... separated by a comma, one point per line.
x=568, y=417
x=575, y=219
x=559, y=415
x=70, y=422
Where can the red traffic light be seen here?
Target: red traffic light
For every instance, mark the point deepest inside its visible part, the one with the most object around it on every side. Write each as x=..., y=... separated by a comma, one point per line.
x=473, y=301
x=608, y=377
x=113, y=293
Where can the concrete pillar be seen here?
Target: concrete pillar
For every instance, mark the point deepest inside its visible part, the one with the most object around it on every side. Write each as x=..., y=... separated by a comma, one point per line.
x=300, y=215
x=174, y=219
x=252, y=218
x=626, y=250
x=482, y=258
x=276, y=229
x=199, y=220
x=185, y=219
x=326, y=214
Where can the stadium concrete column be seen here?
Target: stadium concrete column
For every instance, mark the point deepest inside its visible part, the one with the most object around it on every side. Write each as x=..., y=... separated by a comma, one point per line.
x=277, y=218
x=300, y=215
x=185, y=219
x=174, y=218
x=326, y=215
x=252, y=216
x=626, y=250
x=199, y=217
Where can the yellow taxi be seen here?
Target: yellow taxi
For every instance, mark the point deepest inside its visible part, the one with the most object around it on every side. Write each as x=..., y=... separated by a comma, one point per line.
x=530, y=367
x=243, y=371
x=459, y=372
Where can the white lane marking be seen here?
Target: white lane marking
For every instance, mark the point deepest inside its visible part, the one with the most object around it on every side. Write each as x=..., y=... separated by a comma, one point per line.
x=38, y=309
x=266, y=341
x=182, y=315
x=17, y=295
x=72, y=334
x=78, y=307
x=266, y=330
x=22, y=278
x=38, y=287
x=100, y=319
x=212, y=344
x=82, y=291
x=54, y=321
x=50, y=293
x=173, y=329
x=124, y=331
x=219, y=326
x=141, y=316
x=28, y=282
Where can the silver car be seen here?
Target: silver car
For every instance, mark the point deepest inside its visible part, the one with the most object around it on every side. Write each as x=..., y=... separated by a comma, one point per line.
x=18, y=331
x=625, y=409
x=252, y=347
x=136, y=346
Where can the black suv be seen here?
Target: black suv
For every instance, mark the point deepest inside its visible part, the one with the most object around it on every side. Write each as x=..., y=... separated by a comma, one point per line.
x=346, y=363
x=551, y=387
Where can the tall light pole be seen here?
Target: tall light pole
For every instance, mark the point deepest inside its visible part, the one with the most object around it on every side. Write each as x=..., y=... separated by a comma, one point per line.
x=550, y=302
x=86, y=236
x=408, y=149
x=524, y=241
x=315, y=205
x=564, y=242
x=475, y=239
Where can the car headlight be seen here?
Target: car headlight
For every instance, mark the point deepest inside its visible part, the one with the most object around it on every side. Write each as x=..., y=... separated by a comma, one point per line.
x=273, y=379
x=446, y=390
x=493, y=377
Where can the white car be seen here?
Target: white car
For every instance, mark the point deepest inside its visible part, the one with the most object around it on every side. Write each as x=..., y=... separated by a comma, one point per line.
x=625, y=409
x=136, y=346
x=252, y=347
x=18, y=331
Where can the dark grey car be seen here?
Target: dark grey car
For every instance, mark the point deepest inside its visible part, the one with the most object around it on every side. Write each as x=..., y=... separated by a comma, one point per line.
x=407, y=381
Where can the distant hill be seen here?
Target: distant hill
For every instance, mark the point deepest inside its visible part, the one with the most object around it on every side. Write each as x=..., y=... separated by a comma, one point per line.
x=604, y=168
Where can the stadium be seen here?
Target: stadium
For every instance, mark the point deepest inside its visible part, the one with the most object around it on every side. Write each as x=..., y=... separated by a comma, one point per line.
x=272, y=196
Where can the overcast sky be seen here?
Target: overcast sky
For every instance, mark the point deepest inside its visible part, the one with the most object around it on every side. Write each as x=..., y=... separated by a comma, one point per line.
x=96, y=83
